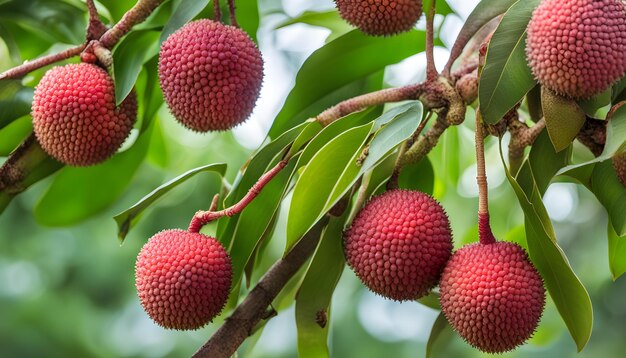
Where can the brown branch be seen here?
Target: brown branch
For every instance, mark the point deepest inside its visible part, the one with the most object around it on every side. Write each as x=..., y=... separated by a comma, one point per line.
x=369, y=99
x=95, y=27
x=522, y=136
x=593, y=135
x=30, y=66
x=217, y=12
x=232, y=14
x=431, y=70
x=137, y=14
x=241, y=323
x=202, y=218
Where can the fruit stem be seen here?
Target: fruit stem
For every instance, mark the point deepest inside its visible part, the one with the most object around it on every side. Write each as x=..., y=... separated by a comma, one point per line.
x=202, y=218
x=231, y=12
x=484, y=230
x=137, y=14
x=217, y=12
x=431, y=70
x=95, y=27
x=361, y=195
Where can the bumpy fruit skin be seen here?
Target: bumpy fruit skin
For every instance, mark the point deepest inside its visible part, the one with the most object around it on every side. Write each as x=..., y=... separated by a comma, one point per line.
x=381, y=17
x=210, y=74
x=399, y=243
x=492, y=295
x=619, y=163
x=74, y=114
x=576, y=47
x=183, y=278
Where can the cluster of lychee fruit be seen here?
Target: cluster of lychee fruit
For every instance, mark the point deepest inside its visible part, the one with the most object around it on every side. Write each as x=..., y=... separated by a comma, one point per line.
x=400, y=246
x=210, y=74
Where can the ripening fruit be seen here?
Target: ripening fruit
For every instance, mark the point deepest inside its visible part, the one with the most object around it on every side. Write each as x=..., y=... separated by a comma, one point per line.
x=381, y=17
x=74, y=114
x=399, y=243
x=576, y=47
x=492, y=295
x=210, y=74
x=183, y=278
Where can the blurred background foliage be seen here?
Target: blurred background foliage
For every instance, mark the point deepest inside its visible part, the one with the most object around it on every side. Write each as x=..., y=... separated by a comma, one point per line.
x=67, y=287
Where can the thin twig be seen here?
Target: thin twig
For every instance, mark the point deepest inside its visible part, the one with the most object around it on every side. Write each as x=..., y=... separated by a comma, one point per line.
x=232, y=14
x=217, y=12
x=484, y=230
x=95, y=27
x=137, y=14
x=431, y=70
x=30, y=66
x=202, y=218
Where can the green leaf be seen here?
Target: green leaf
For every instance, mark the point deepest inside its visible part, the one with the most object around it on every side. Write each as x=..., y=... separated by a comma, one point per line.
x=78, y=193
x=315, y=293
x=431, y=300
x=129, y=217
x=129, y=57
x=399, y=124
x=564, y=118
x=611, y=193
x=321, y=178
x=484, y=12
x=15, y=101
x=593, y=105
x=617, y=252
x=310, y=130
x=441, y=329
x=418, y=176
x=316, y=79
x=328, y=19
x=248, y=17
x=184, y=12
x=566, y=290
x=13, y=134
x=506, y=77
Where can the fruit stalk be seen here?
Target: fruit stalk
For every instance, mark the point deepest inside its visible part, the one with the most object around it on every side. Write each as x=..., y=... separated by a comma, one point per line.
x=137, y=14
x=30, y=66
x=217, y=12
x=484, y=230
x=431, y=70
x=202, y=218
x=241, y=323
x=232, y=13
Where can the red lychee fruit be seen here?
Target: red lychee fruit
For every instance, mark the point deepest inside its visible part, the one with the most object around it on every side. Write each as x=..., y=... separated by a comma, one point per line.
x=210, y=74
x=492, y=295
x=399, y=243
x=74, y=114
x=576, y=47
x=380, y=17
x=183, y=278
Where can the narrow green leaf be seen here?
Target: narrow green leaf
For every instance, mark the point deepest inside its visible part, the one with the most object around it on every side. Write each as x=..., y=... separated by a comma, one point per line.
x=185, y=11
x=441, y=328
x=316, y=78
x=566, y=290
x=309, y=131
x=564, y=118
x=617, y=252
x=248, y=17
x=12, y=135
x=15, y=101
x=419, y=176
x=431, y=300
x=593, y=105
x=611, y=193
x=126, y=219
x=319, y=179
x=315, y=293
x=128, y=59
x=506, y=77
x=327, y=19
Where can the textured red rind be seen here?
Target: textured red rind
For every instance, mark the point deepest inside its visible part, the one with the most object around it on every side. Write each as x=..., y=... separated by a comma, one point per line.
x=74, y=114
x=492, y=295
x=576, y=47
x=210, y=74
x=381, y=17
x=399, y=243
x=183, y=279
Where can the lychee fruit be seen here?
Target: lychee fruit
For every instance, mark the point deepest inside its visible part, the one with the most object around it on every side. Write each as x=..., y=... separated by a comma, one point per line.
x=399, y=243
x=183, y=278
x=381, y=17
x=74, y=114
x=576, y=47
x=492, y=295
x=210, y=74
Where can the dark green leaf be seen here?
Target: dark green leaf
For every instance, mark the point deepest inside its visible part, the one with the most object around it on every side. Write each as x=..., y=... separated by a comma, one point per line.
x=419, y=176
x=126, y=219
x=248, y=17
x=185, y=11
x=338, y=64
x=506, y=77
x=128, y=59
x=315, y=293
x=15, y=101
x=441, y=328
x=617, y=252
x=611, y=193
x=13, y=134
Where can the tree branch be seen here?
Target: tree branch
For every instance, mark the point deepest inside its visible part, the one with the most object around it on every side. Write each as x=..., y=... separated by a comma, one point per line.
x=240, y=324
x=431, y=70
x=30, y=66
x=232, y=13
x=135, y=15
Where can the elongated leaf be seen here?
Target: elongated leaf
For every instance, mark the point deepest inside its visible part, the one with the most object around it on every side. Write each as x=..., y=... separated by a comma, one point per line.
x=184, y=12
x=419, y=176
x=484, y=12
x=617, y=252
x=319, y=179
x=611, y=193
x=317, y=78
x=328, y=19
x=316, y=290
x=564, y=118
x=250, y=21
x=78, y=193
x=441, y=328
x=128, y=59
x=13, y=134
x=15, y=101
x=566, y=290
x=506, y=77
x=126, y=219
